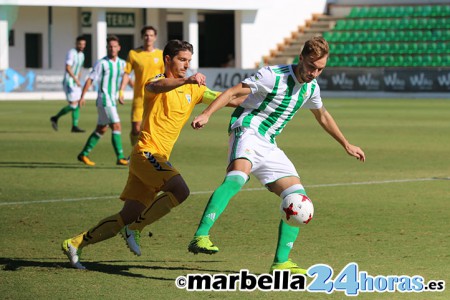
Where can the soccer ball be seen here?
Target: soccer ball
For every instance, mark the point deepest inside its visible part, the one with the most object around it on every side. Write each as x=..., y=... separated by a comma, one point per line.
x=296, y=210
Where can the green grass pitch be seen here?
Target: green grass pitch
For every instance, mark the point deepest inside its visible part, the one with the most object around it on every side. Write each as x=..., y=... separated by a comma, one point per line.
x=390, y=215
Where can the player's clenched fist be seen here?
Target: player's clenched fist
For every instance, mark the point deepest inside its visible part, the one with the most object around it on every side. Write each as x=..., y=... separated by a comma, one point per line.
x=200, y=121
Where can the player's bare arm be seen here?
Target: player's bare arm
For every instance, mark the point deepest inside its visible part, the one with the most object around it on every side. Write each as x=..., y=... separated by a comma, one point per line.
x=69, y=71
x=327, y=122
x=237, y=93
x=167, y=84
x=125, y=80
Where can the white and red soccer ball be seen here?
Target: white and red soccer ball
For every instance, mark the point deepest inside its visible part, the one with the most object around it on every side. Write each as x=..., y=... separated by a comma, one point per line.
x=296, y=210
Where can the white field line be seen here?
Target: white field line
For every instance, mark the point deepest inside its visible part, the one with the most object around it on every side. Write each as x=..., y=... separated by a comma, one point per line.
x=243, y=190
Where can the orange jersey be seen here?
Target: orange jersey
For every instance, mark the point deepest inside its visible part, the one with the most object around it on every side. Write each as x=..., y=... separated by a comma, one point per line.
x=165, y=115
x=146, y=65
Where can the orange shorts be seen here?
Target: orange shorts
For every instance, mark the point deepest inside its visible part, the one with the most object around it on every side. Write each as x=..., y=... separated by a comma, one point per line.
x=147, y=175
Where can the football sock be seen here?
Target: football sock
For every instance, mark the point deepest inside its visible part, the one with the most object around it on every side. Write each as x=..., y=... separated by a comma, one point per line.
x=116, y=140
x=75, y=116
x=105, y=229
x=287, y=234
x=90, y=143
x=63, y=111
x=160, y=207
x=133, y=138
x=218, y=201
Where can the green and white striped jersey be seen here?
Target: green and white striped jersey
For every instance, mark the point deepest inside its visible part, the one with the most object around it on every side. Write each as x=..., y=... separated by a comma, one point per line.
x=107, y=74
x=276, y=97
x=75, y=60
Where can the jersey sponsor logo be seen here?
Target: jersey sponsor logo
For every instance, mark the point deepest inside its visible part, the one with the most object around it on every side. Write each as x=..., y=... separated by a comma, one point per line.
x=155, y=60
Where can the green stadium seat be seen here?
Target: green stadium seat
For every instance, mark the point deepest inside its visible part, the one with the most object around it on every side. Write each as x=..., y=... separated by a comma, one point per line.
x=356, y=48
x=389, y=60
x=423, y=11
x=395, y=48
x=431, y=23
x=410, y=23
x=373, y=12
x=430, y=47
x=398, y=61
x=436, y=10
x=361, y=36
x=404, y=11
x=354, y=12
x=361, y=61
x=340, y=25
x=445, y=11
x=372, y=61
x=446, y=60
x=436, y=61
x=408, y=61
x=340, y=48
x=417, y=35
x=364, y=12
x=417, y=62
x=385, y=48
x=442, y=47
x=412, y=48
x=426, y=60
x=392, y=35
x=403, y=48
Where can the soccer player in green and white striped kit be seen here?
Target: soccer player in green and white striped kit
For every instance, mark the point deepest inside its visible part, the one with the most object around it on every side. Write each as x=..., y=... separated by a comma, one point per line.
x=107, y=72
x=274, y=95
x=72, y=84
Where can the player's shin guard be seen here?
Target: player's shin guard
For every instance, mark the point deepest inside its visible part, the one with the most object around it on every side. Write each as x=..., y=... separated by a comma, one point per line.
x=287, y=234
x=116, y=140
x=158, y=209
x=75, y=115
x=218, y=201
x=105, y=229
x=90, y=143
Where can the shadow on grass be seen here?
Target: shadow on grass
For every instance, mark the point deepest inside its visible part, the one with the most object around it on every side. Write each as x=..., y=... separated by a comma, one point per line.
x=111, y=267
x=52, y=165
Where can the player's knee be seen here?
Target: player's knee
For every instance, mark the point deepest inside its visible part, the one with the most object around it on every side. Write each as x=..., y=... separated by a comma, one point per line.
x=295, y=188
x=182, y=193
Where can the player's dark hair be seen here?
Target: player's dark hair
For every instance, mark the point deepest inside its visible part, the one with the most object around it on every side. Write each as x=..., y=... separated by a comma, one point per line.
x=112, y=37
x=148, y=27
x=317, y=47
x=81, y=38
x=174, y=46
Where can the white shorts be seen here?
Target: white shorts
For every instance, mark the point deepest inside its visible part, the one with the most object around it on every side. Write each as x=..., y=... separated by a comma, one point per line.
x=269, y=163
x=72, y=93
x=107, y=115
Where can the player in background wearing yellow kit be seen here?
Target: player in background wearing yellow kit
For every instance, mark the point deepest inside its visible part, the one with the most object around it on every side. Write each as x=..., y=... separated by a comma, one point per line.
x=146, y=62
x=150, y=171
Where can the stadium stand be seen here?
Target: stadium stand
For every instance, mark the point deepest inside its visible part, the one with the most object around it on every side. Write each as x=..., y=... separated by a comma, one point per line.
x=383, y=36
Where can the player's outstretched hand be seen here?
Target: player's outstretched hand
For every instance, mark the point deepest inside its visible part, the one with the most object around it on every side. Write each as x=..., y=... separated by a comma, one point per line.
x=200, y=121
x=356, y=152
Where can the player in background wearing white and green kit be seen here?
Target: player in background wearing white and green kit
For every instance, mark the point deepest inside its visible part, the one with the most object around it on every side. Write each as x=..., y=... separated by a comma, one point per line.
x=275, y=93
x=72, y=84
x=107, y=72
